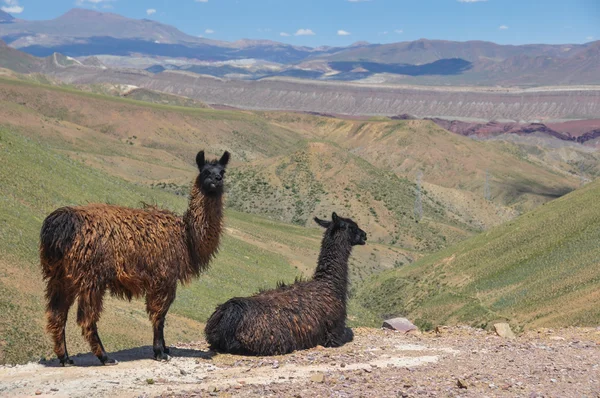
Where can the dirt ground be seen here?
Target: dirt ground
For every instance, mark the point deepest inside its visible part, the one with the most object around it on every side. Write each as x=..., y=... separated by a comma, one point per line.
x=457, y=362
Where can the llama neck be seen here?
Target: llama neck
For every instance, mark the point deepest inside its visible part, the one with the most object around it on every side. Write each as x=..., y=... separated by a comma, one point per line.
x=332, y=266
x=204, y=224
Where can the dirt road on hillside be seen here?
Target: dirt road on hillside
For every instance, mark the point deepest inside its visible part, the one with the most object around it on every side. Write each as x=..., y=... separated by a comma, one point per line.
x=460, y=361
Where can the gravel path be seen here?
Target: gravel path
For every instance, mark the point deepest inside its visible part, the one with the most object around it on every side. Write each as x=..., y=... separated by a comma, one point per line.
x=457, y=361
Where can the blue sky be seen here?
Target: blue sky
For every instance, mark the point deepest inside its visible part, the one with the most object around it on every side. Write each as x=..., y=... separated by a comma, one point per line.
x=342, y=22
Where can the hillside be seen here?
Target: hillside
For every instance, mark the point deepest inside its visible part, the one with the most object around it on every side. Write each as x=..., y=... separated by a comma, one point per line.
x=152, y=144
x=62, y=146
x=539, y=270
x=360, y=98
x=299, y=93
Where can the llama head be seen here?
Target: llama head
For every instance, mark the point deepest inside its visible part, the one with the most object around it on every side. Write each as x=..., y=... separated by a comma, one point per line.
x=345, y=226
x=212, y=173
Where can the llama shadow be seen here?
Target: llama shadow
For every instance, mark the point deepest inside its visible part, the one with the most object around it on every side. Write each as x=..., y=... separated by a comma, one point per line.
x=130, y=355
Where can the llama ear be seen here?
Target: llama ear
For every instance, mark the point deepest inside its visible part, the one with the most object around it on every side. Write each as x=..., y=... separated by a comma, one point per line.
x=323, y=223
x=337, y=221
x=224, y=159
x=200, y=160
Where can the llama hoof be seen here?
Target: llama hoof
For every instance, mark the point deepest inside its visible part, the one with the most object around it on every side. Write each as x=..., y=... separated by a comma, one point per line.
x=66, y=362
x=106, y=361
x=163, y=357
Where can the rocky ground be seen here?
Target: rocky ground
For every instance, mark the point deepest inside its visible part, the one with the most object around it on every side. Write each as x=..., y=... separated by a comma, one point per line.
x=456, y=362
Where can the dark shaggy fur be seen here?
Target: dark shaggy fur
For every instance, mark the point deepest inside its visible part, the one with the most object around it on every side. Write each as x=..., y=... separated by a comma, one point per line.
x=132, y=252
x=294, y=317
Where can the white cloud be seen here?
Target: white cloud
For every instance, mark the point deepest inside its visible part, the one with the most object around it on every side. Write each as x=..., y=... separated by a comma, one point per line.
x=503, y=27
x=304, y=32
x=94, y=2
x=590, y=38
x=80, y=2
x=283, y=34
x=399, y=31
x=12, y=7
x=383, y=33
x=209, y=31
x=342, y=32
x=470, y=1
x=150, y=11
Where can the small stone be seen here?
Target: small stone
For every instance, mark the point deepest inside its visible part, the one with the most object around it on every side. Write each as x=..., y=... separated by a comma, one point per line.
x=553, y=380
x=342, y=365
x=367, y=370
x=54, y=389
x=504, y=330
x=213, y=389
x=38, y=392
x=183, y=372
x=399, y=324
x=317, y=378
x=557, y=338
x=461, y=384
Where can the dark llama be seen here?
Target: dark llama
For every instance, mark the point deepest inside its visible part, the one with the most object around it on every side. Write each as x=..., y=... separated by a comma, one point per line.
x=295, y=317
x=133, y=253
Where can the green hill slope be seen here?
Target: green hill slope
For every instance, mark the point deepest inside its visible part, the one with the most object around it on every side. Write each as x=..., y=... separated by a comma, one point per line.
x=542, y=269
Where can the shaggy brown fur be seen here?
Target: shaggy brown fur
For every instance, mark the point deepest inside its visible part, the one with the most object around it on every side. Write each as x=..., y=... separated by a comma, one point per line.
x=299, y=316
x=132, y=252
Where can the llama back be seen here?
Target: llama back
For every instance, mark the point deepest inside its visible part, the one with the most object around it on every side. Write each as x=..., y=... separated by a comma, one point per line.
x=125, y=247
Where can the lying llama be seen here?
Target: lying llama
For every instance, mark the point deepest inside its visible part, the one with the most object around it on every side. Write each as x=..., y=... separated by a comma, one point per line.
x=132, y=252
x=294, y=317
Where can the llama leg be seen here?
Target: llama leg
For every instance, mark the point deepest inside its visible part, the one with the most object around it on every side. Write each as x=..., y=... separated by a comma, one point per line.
x=339, y=336
x=157, y=305
x=88, y=315
x=57, y=310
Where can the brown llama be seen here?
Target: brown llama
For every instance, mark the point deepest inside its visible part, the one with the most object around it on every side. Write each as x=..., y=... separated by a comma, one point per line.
x=295, y=317
x=132, y=252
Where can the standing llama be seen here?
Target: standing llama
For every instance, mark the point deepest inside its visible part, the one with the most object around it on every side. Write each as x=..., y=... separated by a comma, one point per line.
x=132, y=252
x=298, y=316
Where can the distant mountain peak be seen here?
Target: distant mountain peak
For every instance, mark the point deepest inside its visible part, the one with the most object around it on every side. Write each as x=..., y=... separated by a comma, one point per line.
x=360, y=44
x=6, y=17
x=85, y=13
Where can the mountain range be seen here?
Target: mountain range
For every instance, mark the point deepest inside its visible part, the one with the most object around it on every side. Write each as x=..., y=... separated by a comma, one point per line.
x=157, y=47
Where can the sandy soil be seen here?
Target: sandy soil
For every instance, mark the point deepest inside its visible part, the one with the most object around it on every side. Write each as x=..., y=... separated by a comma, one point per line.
x=458, y=361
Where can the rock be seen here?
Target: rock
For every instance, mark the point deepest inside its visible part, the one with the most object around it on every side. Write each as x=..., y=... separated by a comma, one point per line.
x=557, y=338
x=399, y=324
x=213, y=389
x=317, y=378
x=38, y=392
x=461, y=384
x=504, y=330
x=183, y=372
